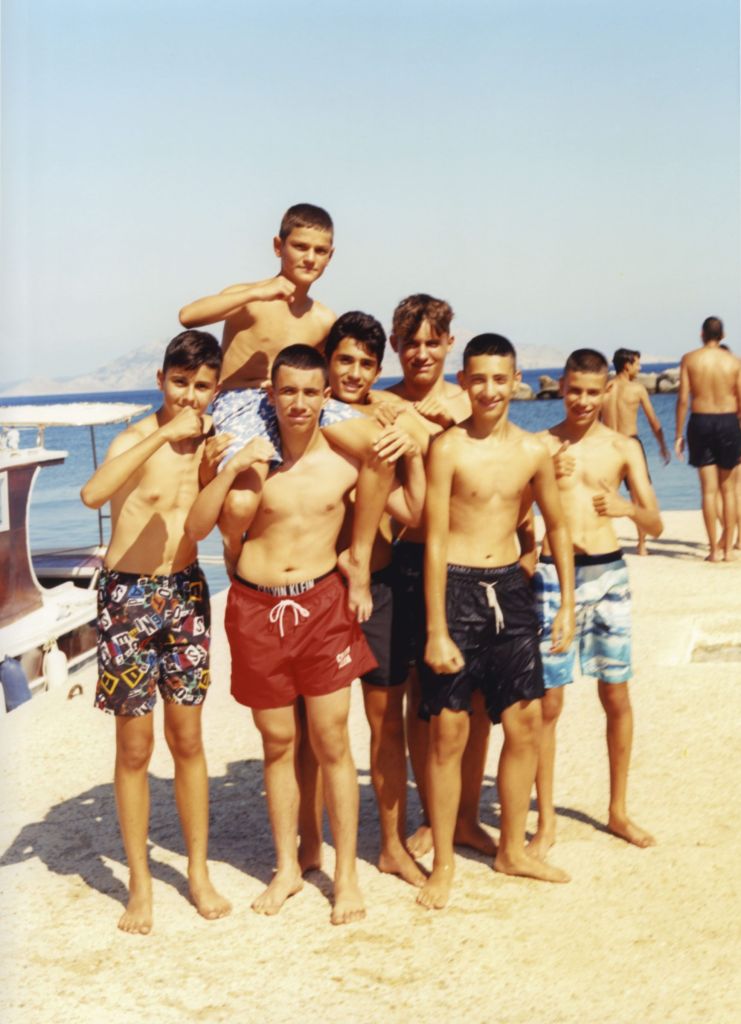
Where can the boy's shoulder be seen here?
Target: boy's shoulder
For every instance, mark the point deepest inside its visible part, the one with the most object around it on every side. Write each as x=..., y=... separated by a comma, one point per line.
x=448, y=441
x=553, y=437
x=134, y=433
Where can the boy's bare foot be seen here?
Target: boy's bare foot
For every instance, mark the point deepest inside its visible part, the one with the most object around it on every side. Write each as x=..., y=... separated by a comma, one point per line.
x=730, y=555
x=348, y=902
x=527, y=866
x=542, y=841
x=208, y=902
x=400, y=862
x=642, y=549
x=475, y=836
x=284, y=885
x=624, y=828
x=714, y=556
x=359, y=599
x=309, y=857
x=436, y=890
x=420, y=842
x=137, y=918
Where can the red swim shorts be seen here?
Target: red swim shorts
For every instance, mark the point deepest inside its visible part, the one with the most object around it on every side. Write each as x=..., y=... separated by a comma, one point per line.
x=306, y=644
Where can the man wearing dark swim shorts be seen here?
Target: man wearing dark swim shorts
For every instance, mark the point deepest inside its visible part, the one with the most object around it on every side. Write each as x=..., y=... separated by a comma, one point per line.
x=710, y=377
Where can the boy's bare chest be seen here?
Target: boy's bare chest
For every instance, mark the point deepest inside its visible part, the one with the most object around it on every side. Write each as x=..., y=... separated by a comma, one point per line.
x=500, y=474
x=275, y=327
x=309, y=495
x=595, y=464
x=169, y=480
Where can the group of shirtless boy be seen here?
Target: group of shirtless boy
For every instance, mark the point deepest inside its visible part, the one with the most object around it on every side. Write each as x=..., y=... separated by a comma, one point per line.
x=380, y=535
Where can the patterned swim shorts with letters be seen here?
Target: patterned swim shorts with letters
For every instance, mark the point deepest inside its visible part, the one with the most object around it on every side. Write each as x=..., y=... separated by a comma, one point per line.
x=153, y=631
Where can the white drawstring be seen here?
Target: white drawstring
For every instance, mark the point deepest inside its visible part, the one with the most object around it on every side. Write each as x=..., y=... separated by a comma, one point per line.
x=491, y=600
x=279, y=610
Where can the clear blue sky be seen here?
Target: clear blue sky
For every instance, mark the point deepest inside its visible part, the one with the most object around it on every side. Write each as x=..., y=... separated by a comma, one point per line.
x=565, y=172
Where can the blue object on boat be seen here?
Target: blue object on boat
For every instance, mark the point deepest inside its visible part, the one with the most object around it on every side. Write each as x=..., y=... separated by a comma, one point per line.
x=14, y=682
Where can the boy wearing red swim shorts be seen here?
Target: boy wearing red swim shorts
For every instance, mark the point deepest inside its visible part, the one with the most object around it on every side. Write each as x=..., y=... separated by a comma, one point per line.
x=289, y=626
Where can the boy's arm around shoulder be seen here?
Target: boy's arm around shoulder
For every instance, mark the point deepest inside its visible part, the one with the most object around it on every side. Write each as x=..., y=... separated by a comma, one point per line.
x=131, y=449
x=546, y=494
x=407, y=497
x=213, y=308
x=205, y=511
x=441, y=654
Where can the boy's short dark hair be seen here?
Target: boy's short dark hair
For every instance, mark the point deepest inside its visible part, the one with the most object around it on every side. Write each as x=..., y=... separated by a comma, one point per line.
x=586, y=360
x=191, y=349
x=489, y=345
x=304, y=215
x=712, y=329
x=299, y=357
x=364, y=328
x=622, y=357
x=411, y=311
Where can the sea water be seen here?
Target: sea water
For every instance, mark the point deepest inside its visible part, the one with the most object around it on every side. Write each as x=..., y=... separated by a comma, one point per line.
x=59, y=519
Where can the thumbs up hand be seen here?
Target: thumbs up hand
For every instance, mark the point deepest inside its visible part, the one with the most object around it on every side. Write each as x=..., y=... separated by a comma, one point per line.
x=563, y=463
x=609, y=503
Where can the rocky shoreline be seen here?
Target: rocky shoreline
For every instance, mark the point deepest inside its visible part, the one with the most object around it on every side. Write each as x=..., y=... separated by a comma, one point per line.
x=664, y=383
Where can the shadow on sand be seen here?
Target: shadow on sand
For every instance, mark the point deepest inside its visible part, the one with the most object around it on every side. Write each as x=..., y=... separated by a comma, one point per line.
x=80, y=836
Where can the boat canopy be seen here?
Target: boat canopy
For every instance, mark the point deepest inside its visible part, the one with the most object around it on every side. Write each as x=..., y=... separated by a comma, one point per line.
x=69, y=414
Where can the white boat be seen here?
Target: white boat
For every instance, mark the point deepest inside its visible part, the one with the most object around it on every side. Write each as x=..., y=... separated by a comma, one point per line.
x=47, y=598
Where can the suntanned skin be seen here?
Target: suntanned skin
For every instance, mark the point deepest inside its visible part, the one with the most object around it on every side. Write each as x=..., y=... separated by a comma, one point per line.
x=620, y=412
x=292, y=538
x=710, y=382
x=260, y=320
x=151, y=478
x=437, y=404
x=353, y=369
x=478, y=472
x=590, y=461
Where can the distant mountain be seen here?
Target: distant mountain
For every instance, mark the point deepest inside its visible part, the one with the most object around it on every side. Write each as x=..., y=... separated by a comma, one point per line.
x=137, y=370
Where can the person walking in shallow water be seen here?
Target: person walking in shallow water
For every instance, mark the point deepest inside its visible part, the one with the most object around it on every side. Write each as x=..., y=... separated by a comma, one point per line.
x=710, y=383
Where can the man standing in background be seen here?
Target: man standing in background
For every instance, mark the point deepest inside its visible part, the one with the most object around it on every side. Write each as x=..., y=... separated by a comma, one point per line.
x=711, y=377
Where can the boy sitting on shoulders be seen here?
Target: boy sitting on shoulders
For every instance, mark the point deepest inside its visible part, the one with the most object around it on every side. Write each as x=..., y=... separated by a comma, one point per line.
x=590, y=461
x=482, y=629
x=261, y=319
x=154, y=614
x=289, y=627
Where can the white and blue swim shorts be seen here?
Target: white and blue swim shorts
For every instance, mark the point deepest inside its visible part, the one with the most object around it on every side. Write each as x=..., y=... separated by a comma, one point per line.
x=248, y=413
x=602, y=637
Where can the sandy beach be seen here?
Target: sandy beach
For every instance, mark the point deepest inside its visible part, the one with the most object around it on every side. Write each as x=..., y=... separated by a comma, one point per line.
x=638, y=935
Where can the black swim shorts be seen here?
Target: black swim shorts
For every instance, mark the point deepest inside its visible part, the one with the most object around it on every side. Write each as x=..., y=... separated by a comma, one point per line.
x=408, y=632
x=378, y=630
x=493, y=621
x=714, y=439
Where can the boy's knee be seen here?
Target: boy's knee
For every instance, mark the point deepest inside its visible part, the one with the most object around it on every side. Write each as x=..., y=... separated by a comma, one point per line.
x=184, y=744
x=614, y=697
x=552, y=705
x=449, y=734
x=331, y=744
x=135, y=754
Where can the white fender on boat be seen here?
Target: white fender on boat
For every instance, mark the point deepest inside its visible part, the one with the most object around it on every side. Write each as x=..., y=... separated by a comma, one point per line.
x=55, y=666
